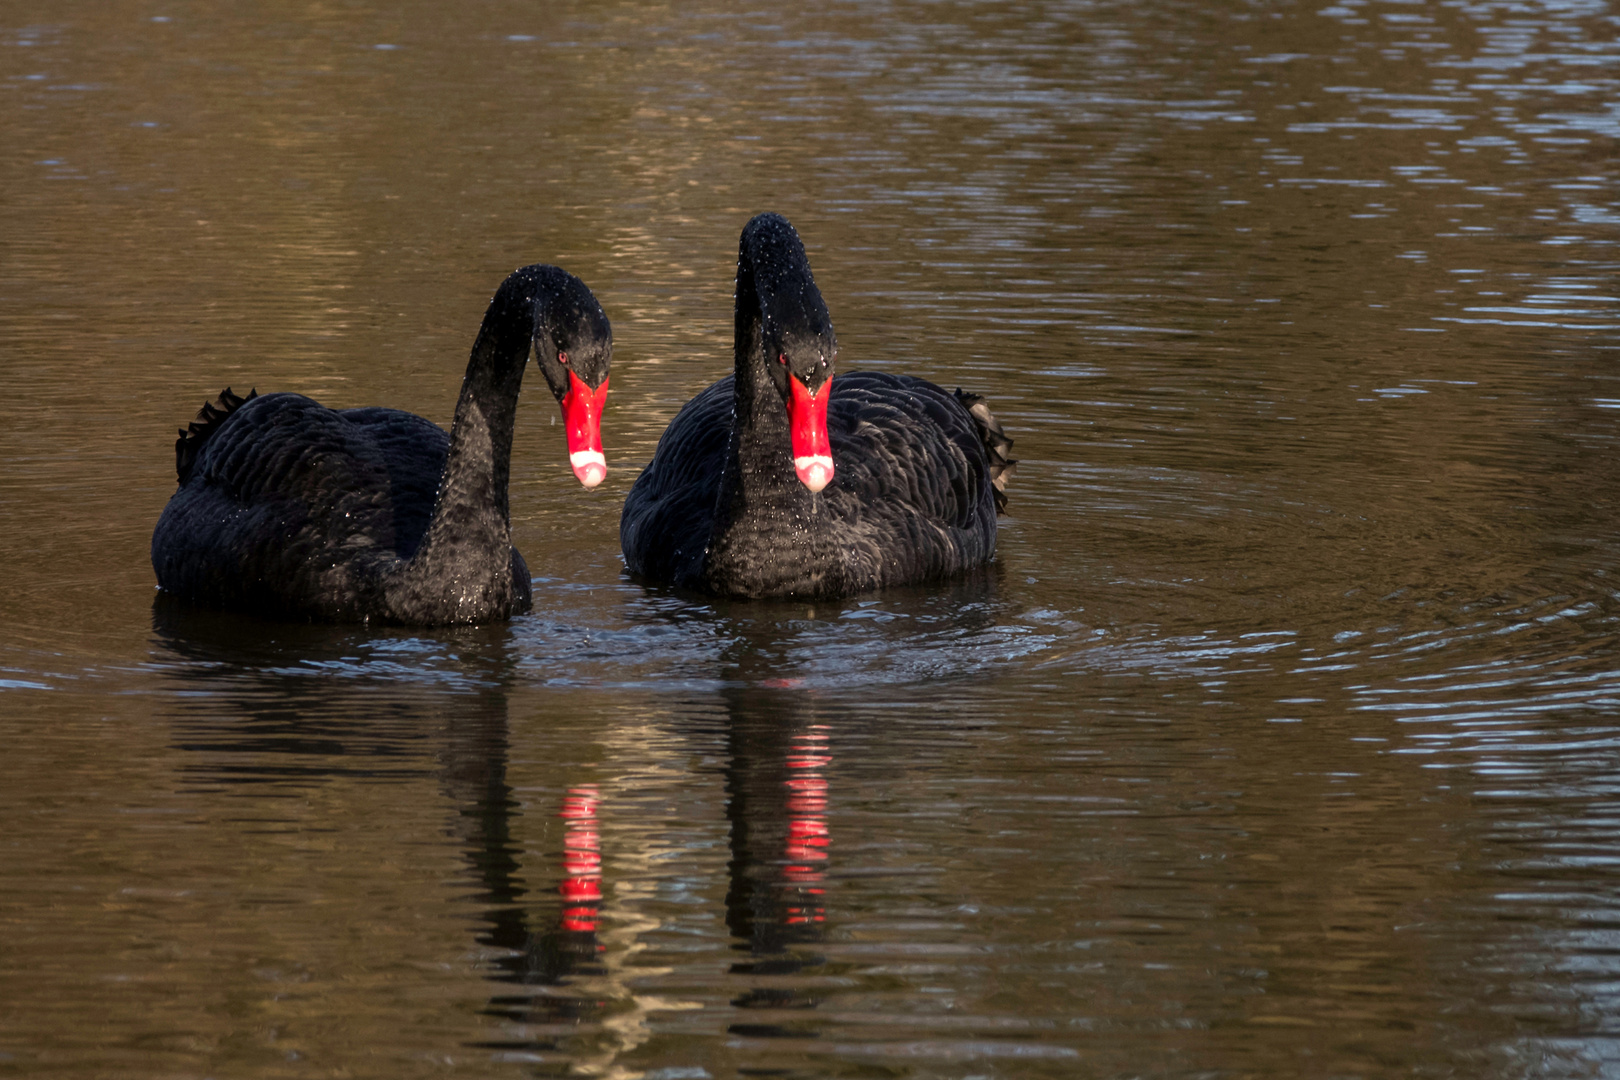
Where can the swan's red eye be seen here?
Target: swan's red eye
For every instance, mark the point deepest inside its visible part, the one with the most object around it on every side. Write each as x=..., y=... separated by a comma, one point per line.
x=562, y=358
x=781, y=358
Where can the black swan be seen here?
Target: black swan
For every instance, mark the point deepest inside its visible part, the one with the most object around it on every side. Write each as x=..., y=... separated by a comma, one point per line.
x=289, y=508
x=782, y=481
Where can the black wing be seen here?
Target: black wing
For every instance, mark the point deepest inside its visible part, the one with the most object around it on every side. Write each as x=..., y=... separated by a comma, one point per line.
x=290, y=505
x=898, y=437
x=911, y=483
x=669, y=515
x=414, y=451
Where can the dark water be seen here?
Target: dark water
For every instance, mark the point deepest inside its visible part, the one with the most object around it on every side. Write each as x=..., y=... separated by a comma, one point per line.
x=1281, y=740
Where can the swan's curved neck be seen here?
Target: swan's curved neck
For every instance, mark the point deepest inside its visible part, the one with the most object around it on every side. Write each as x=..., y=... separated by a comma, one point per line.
x=758, y=479
x=465, y=558
x=763, y=511
x=759, y=408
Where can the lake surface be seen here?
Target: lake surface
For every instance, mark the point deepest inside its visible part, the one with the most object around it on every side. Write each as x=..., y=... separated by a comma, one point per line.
x=1282, y=739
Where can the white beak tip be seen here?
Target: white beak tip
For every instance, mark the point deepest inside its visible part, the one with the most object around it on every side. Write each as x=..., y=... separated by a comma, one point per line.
x=589, y=465
x=815, y=472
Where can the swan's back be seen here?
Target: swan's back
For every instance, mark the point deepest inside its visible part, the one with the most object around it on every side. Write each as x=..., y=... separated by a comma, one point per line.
x=911, y=489
x=414, y=451
x=291, y=508
x=902, y=442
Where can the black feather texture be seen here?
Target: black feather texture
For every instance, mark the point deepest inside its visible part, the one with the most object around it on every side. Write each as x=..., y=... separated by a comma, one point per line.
x=289, y=508
x=195, y=434
x=917, y=479
x=997, y=445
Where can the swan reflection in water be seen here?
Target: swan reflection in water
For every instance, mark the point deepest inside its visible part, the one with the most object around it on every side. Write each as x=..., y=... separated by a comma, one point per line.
x=564, y=981
x=269, y=716
x=776, y=787
x=287, y=704
x=550, y=970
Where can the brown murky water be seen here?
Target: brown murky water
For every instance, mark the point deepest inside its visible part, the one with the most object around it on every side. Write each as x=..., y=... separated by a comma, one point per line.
x=1282, y=740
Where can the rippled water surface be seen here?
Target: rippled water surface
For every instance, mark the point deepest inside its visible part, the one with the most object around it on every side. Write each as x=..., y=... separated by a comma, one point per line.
x=1282, y=739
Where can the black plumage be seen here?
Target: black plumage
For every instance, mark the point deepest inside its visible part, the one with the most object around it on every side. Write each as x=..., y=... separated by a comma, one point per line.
x=288, y=508
x=917, y=476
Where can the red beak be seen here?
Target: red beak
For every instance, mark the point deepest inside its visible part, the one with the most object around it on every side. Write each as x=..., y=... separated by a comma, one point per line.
x=807, y=421
x=582, y=416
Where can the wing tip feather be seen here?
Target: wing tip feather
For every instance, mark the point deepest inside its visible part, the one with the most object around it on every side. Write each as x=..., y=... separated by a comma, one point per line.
x=209, y=418
x=997, y=445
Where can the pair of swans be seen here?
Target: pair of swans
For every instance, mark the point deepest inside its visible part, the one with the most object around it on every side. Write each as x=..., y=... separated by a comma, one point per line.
x=770, y=483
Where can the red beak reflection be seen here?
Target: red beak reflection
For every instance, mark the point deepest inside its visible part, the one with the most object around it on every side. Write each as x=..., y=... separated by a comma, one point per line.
x=807, y=836
x=581, y=888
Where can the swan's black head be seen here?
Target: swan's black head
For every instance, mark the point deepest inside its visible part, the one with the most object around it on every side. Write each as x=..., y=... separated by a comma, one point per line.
x=781, y=314
x=573, y=344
